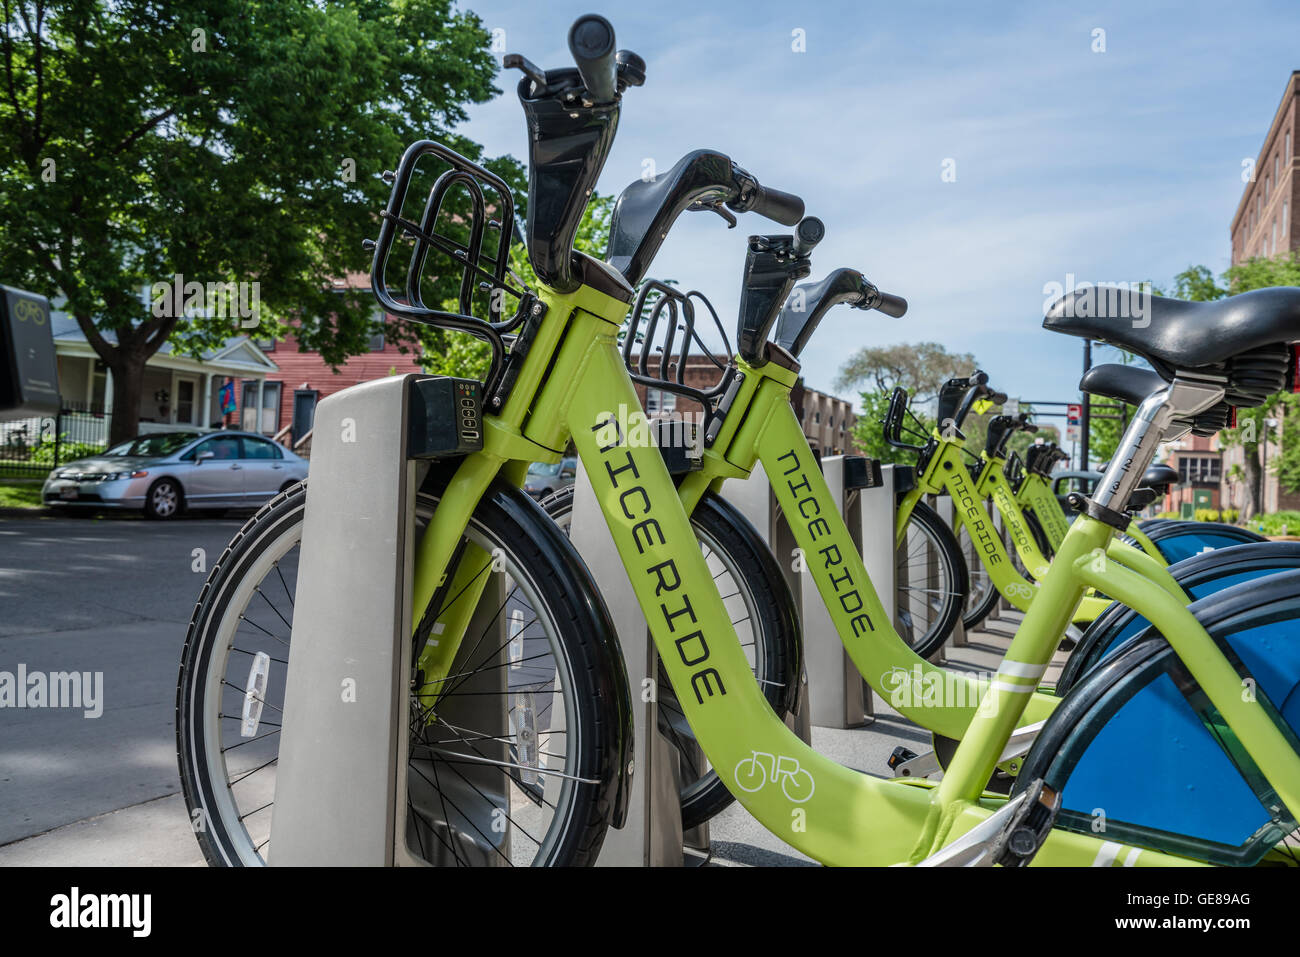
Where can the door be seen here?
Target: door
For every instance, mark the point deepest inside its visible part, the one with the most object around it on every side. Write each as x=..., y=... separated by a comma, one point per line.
x=217, y=480
x=304, y=412
x=186, y=396
x=264, y=470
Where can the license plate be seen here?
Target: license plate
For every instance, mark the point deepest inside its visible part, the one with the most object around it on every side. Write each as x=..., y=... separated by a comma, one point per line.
x=68, y=493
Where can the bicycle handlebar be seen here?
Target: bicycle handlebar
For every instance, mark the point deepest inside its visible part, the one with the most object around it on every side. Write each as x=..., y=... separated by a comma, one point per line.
x=802, y=313
x=591, y=42
x=702, y=179
x=780, y=207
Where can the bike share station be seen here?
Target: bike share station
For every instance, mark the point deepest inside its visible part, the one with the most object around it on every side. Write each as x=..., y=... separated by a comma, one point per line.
x=343, y=768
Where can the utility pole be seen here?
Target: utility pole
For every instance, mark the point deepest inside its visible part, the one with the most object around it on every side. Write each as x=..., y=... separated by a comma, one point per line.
x=1086, y=418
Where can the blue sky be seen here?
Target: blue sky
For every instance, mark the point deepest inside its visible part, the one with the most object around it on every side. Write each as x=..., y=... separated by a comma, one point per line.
x=1115, y=166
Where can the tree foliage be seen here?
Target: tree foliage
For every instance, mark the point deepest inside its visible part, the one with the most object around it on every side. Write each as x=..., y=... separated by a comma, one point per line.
x=921, y=368
x=222, y=141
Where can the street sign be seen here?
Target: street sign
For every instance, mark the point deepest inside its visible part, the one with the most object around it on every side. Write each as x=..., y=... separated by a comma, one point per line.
x=1072, y=433
x=1073, y=413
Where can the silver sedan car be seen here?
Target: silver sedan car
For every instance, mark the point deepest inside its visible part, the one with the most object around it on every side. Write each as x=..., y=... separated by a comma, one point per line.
x=164, y=473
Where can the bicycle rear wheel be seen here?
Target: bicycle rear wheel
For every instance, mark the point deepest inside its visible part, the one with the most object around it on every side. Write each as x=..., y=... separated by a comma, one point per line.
x=510, y=765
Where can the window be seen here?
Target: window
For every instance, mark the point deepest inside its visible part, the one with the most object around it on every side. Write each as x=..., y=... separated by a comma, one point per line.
x=376, y=342
x=657, y=402
x=817, y=418
x=1276, y=162
x=222, y=447
x=831, y=421
x=270, y=407
x=1288, y=146
x=1200, y=469
x=185, y=389
x=155, y=444
x=261, y=449
x=1284, y=239
x=266, y=345
x=1274, y=235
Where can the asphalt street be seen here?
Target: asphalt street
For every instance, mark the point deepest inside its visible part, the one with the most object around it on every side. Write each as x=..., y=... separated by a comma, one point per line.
x=114, y=595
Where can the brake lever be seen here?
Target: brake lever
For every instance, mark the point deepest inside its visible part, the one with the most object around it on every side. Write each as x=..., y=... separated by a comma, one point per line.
x=726, y=214
x=516, y=61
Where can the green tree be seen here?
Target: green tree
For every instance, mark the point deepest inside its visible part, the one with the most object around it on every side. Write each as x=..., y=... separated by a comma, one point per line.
x=222, y=141
x=919, y=368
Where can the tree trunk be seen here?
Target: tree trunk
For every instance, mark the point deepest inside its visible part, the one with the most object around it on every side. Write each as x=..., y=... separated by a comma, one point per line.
x=128, y=381
x=1254, y=478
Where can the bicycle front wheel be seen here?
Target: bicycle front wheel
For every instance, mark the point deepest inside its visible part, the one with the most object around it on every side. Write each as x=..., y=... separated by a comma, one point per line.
x=504, y=767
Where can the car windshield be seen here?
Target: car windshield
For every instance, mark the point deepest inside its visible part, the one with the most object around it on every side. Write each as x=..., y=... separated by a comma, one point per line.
x=152, y=446
x=542, y=468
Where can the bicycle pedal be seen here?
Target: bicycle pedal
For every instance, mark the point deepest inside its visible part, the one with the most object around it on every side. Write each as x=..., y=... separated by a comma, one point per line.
x=900, y=755
x=1025, y=832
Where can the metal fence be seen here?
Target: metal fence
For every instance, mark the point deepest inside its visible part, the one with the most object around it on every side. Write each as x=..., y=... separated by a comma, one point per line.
x=30, y=448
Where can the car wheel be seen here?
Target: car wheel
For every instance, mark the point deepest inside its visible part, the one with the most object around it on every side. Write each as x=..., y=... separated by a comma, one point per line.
x=164, y=500
x=286, y=486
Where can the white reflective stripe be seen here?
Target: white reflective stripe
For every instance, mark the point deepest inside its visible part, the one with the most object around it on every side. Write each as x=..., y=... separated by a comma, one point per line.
x=1008, y=686
x=1106, y=856
x=1132, y=857
x=1021, y=669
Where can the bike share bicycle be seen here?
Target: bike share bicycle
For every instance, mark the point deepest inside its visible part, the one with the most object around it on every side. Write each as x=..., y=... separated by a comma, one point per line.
x=569, y=379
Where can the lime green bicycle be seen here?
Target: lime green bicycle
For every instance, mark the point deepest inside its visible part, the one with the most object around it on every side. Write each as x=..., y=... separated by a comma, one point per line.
x=562, y=378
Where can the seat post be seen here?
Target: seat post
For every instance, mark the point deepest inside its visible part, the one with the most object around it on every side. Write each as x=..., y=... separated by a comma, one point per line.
x=1158, y=419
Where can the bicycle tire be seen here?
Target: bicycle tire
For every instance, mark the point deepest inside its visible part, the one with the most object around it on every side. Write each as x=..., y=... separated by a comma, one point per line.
x=583, y=630
x=951, y=590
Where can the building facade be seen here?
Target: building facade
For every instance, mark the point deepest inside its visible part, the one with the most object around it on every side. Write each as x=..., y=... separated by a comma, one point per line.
x=1264, y=224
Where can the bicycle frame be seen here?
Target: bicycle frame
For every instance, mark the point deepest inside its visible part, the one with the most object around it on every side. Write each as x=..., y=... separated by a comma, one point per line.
x=574, y=384
x=946, y=472
x=1035, y=493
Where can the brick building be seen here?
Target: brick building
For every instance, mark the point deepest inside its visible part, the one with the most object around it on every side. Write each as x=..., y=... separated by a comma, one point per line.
x=1264, y=224
x=288, y=399
x=1199, y=463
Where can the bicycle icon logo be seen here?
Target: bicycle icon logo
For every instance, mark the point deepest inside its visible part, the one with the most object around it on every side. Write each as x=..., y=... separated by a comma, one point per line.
x=1019, y=590
x=897, y=678
x=28, y=310
x=754, y=772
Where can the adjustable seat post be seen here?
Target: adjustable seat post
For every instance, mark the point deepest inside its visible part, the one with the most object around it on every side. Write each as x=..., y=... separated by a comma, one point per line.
x=1162, y=416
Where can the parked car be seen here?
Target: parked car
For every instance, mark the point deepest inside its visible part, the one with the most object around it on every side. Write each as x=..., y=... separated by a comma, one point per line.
x=164, y=473
x=544, y=478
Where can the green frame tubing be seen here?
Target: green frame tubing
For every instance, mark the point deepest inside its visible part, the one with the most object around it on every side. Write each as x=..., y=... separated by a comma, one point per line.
x=1035, y=494
x=574, y=384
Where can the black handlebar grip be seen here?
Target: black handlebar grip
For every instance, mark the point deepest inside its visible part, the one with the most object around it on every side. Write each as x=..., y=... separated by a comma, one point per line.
x=783, y=208
x=591, y=41
x=892, y=305
x=999, y=398
x=808, y=234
